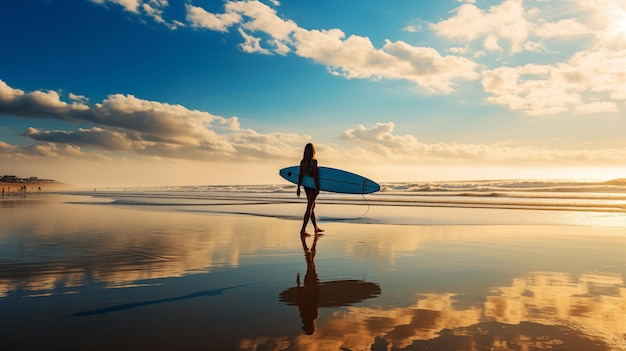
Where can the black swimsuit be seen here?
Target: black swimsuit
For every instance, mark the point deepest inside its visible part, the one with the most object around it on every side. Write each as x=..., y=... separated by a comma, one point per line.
x=310, y=174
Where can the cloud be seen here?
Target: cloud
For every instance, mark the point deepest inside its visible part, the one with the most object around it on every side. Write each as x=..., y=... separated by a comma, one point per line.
x=381, y=140
x=381, y=143
x=507, y=29
x=502, y=22
x=132, y=126
x=156, y=13
x=200, y=18
x=7, y=148
x=153, y=9
x=252, y=44
x=127, y=123
x=352, y=57
x=128, y=5
x=508, y=22
x=573, y=85
x=42, y=104
x=150, y=120
x=530, y=311
x=587, y=81
x=98, y=137
x=563, y=28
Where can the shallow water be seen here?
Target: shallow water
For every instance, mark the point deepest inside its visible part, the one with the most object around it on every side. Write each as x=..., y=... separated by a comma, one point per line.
x=127, y=271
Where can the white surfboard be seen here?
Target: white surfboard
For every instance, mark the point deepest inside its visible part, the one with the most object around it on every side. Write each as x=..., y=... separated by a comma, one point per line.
x=333, y=180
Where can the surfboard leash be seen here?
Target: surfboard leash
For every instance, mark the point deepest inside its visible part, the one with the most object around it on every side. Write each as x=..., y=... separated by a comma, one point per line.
x=363, y=195
x=368, y=207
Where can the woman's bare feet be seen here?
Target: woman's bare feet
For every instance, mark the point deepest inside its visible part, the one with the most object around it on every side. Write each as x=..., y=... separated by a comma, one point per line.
x=318, y=230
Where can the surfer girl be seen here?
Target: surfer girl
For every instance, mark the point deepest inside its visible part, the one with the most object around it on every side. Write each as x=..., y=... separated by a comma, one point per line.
x=308, y=167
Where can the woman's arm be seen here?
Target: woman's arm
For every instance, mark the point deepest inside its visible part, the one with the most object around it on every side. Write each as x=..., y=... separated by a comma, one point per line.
x=299, y=180
x=316, y=176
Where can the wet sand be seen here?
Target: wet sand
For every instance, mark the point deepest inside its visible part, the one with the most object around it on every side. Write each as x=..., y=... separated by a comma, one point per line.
x=79, y=273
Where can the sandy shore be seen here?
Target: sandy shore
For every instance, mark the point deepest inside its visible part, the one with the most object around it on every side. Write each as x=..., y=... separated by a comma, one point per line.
x=83, y=272
x=33, y=186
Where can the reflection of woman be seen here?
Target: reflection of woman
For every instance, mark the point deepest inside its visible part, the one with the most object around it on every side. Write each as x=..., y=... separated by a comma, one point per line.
x=313, y=294
x=308, y=167
x=308, y=296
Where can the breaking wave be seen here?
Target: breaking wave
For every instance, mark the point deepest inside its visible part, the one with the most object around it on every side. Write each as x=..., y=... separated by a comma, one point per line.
x=605, y=196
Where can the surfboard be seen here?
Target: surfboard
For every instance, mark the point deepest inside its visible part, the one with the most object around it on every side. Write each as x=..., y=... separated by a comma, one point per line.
x=333, y=293
x=333, y=180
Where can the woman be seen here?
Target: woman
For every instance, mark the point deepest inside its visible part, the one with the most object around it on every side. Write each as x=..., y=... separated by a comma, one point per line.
x=308, y=167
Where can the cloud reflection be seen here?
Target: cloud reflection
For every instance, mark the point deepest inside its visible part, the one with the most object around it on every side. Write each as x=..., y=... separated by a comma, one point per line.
x=543, y=310
x=58, y=248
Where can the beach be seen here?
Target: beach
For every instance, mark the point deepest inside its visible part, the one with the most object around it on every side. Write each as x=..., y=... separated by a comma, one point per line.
x=32, y=187
x=224, y=268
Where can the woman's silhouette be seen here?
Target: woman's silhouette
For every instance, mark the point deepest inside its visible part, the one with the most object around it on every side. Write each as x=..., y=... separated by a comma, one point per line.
x=308, y=167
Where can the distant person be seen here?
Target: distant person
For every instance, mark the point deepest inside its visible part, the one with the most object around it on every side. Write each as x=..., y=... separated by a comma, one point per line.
x=308, y=167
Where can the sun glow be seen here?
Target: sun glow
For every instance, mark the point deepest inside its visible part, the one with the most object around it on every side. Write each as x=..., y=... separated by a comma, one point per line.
x=619, y=27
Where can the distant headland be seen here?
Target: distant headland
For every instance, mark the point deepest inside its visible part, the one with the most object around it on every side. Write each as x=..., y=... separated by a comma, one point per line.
x=15, y=179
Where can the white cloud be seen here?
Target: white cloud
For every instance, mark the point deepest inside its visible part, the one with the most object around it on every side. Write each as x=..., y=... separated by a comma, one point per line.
x=381, y=143
x=412, y=28
x=532, y=46
x=507, y=28
x=587, y=79
x=200, y=18
x=134, y=126
x=152, y=9
x=252, y=44
x=574, y=85
x=128, y=5
x=265, y=32
x=78, y=98
x=156, y=13
x=124, y=125
x=563, y=28
x=502, y=22
x=127, y=123
x=262, y=18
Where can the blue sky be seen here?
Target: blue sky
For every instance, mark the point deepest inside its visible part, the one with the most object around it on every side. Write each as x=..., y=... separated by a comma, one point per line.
x=132, y=92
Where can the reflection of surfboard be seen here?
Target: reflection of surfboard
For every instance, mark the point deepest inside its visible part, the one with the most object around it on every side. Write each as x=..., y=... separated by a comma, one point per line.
x=334, y=180
x=333, y=293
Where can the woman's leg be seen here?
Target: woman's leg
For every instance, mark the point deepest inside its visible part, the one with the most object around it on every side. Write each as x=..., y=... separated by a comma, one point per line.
x=310, y=197
x=317, y=229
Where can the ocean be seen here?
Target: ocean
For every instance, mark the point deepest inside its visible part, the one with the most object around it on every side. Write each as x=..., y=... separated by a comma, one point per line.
x=603, y=201
x=532, y=194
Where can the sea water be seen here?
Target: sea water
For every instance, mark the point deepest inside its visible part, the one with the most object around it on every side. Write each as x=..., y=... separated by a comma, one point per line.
x=416, y=203
x=539, y=194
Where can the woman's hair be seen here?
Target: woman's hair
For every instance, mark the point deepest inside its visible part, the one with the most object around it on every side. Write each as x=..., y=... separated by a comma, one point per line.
x=309, y=153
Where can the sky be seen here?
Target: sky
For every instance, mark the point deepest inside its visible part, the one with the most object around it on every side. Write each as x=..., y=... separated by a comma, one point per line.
x=201, y=92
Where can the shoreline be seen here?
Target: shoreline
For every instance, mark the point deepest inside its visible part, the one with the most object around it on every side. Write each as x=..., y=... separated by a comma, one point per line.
x=33, y=186
x=351, y=212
